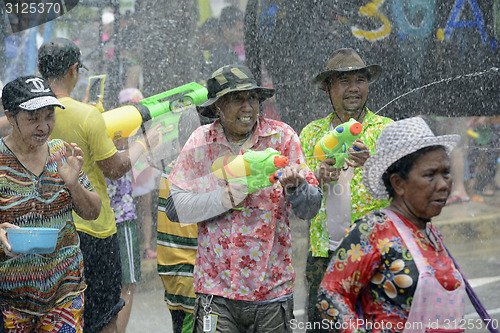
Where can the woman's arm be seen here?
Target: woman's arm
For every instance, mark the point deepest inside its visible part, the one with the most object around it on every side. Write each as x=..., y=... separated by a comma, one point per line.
x=87, y=204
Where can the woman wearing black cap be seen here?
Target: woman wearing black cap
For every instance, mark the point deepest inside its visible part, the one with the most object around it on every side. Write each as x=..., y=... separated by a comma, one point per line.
x=41, y=182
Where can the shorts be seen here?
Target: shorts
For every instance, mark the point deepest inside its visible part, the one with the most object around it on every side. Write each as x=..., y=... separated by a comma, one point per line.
x=242, y=316
x=66, y=317
x=130, y=253
x=103, y=274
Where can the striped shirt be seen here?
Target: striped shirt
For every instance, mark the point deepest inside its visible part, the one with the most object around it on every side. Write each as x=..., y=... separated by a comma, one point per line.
x=34, y=283
x=177, y=244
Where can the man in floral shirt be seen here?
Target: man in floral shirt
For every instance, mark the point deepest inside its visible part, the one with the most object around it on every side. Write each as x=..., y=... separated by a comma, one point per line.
x=345, y=81
x=243, y=275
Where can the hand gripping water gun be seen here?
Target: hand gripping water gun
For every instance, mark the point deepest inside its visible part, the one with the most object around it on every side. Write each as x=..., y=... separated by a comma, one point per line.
x=255, y=169
x=335, y=143
x=165, y=108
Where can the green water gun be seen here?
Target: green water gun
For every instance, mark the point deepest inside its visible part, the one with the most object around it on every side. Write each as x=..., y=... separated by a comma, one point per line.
x=255, y=169
x=335, y=143
x=165, y=108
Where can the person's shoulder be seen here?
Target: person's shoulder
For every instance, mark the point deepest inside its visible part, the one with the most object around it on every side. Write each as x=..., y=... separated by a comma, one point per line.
x=277, y=125
x=376, y=119
x=372, y=219
x=74, y=105
x=315, y=124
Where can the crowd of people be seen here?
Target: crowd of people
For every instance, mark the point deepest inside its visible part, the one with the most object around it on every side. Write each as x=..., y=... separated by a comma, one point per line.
x=224, y=244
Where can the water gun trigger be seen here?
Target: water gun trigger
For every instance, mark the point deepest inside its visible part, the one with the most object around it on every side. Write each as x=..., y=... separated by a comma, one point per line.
x=275, y=176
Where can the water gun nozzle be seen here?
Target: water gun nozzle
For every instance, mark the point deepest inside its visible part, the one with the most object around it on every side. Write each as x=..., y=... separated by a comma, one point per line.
x=356, y=128
x=280, y=161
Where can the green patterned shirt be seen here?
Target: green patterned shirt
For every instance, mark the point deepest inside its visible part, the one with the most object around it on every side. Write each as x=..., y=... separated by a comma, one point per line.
x=361, y=201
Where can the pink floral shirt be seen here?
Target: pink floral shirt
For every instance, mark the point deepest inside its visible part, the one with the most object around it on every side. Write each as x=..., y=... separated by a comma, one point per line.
x=242, y=254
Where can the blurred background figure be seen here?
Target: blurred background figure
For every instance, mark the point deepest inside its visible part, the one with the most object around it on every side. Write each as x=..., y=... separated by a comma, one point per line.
x=124, y=208
x=484, y=144
x=208, y=36
x=143, y=182
x=229, y=49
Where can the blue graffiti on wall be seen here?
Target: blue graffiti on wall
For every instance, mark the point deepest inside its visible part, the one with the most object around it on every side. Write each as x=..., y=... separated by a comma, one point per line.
x=405, y=11
x=413, y=8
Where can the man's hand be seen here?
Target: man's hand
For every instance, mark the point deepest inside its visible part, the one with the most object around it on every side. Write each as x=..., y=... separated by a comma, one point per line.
x=70, y=170
x=358, y=157
x=233, y=195
x=326, y=173
x=292, y=176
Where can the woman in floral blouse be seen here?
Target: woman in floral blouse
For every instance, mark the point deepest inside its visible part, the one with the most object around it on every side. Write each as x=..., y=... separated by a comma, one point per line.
x=391, y=273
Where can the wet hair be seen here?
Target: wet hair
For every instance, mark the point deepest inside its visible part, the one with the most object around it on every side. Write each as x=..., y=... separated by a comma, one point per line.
x=403, y=167
x=229, y=16
x=15, y=111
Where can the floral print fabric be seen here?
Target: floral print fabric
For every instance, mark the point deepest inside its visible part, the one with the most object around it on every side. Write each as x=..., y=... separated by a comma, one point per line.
x=242, y=254
x=120, y=197
x=374, y=266
x=361, y=201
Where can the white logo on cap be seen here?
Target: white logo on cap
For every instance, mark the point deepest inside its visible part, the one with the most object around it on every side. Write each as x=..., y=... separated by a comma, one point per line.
x=38, y=83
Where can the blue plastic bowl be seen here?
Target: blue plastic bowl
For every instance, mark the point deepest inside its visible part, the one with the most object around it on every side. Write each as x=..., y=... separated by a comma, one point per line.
x=33, y=240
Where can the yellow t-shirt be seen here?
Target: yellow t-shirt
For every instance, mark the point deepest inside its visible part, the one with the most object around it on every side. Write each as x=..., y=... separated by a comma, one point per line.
x=84, y=125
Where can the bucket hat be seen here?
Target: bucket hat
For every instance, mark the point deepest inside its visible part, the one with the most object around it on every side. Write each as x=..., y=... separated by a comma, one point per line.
x=57, y=55
x=28, y=93
x=228, y=79
x=346, y=60
x=397, y=140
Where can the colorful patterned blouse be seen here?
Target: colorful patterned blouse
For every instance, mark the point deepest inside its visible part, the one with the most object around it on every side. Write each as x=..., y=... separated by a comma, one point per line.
x=242, y=254
x=374, y=265
x=361, y=201
x=35, y=283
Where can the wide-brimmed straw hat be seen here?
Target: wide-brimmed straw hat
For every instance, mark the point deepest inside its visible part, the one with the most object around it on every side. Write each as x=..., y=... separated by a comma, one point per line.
x=346, y=60
x=228, y=79
x=396, y=141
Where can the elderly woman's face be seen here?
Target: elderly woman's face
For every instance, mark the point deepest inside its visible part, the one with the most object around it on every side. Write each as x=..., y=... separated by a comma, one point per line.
x=34, y=127
x=238, y=113
x=428, y=185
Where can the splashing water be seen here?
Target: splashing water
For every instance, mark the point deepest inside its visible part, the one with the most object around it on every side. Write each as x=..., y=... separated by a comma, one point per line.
x=463, y=76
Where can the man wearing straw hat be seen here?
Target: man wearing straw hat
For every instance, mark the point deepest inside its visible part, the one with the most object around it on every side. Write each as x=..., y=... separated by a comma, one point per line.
x=345, y=82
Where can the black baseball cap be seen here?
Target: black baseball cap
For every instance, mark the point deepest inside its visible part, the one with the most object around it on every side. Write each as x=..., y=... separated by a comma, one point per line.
x=57, y=55
x=28, y=93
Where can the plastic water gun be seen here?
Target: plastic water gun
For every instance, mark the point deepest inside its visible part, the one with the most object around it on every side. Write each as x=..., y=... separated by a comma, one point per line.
x=255, y=169
x=335, y=143
x=165, y=108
